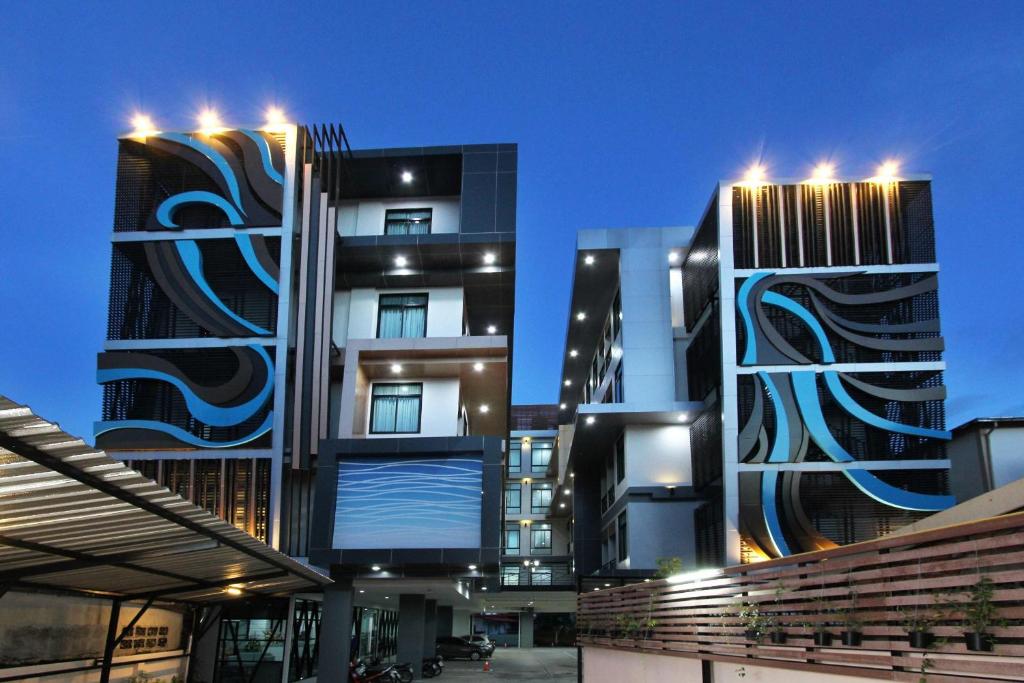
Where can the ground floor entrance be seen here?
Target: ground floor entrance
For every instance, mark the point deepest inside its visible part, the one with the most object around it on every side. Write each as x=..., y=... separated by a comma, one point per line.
x=557, y=664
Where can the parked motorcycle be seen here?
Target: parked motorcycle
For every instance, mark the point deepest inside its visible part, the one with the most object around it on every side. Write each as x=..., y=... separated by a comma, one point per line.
x=433, y=666
x=360, y=672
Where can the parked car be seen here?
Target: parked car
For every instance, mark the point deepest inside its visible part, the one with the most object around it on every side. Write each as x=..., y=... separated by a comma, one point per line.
x=483, y=640
x=451, y=647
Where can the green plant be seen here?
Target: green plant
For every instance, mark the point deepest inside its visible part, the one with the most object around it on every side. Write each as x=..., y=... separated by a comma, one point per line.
x=980, y=612
x=621, y=625
x=851, y=620
x=755, y=622
x=669, y=566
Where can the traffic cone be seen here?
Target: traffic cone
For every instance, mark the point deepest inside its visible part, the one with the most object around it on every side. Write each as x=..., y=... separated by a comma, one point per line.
x=487, y=666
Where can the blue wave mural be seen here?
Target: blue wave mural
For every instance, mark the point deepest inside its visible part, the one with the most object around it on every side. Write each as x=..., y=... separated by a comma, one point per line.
x=397, y=502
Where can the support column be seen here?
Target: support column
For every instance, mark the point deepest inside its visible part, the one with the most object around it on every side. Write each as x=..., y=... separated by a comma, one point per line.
x=336, y=632
x=429, y=628
x=108, y=647
x=444, y=621
x=411, y=613
x=526, y=628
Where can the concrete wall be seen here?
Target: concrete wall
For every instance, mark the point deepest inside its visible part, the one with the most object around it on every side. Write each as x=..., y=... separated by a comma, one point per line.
x=603, y=665
x=656, y=455
x=660, y=529
x=355, y=312
x=363, y=217
x=460, y=622
x=1007, y=448
x=440, y=408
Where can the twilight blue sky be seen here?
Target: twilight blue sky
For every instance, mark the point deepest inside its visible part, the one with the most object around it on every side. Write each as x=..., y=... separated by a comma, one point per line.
x=626, y=114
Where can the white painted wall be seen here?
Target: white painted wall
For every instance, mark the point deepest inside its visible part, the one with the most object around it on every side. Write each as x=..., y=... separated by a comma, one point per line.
x=361, y=217
x=339, y=319
x=656, y=455
x=445, y=310
x=675, y=292
x=440, y=408
x=1007, y=451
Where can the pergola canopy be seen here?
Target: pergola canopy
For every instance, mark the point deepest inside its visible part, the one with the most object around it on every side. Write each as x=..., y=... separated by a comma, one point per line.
x=73, y=519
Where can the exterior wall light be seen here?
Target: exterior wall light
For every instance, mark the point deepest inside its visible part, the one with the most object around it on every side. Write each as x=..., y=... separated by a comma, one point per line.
x=406, y=177
x=479, y=367
x=489, y=258
x=573, y=353
x=233, y=591
x=673, y=256
x=491, y=329
x=375, y=567
x=396, y=368
x=591, y=419
x=562, y=406
x=472, y=567
x=567, y=382
x=581, y=316
x=401, y=261
x=589, y=259
x=485, y=408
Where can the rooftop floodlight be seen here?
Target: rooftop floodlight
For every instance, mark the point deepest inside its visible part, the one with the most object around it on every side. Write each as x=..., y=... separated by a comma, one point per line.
x=142, y=126
x=887, y=172
x=823, y=174
x=209, y=121
x=274, y=118
x=754, y=175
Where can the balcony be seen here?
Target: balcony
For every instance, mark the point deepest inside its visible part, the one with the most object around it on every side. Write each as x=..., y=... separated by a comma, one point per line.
x=539, y=576
x=898, y=608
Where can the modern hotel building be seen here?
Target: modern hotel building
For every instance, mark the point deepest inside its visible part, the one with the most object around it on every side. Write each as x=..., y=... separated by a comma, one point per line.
x=766, y=384
x=314, y=343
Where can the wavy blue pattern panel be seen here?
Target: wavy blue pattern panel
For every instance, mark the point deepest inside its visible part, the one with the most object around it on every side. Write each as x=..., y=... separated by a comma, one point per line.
x=193, y=260
x=397, y=502
x=181, y=435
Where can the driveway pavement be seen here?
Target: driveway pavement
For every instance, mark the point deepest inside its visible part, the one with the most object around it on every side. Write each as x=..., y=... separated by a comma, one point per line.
x=514, y=664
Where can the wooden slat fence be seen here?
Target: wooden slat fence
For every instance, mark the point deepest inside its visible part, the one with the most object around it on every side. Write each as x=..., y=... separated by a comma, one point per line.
x=873, y=588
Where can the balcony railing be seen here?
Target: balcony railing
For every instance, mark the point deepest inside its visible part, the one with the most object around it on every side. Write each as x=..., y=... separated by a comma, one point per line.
x=545, y=576
x=852, y=610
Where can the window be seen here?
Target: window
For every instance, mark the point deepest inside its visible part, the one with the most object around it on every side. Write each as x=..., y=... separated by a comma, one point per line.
x=540, y=539
x=540, y=455
x=619, y=390
x=395, y=408
x=407, y=221
x=402, y=315
x=540, y=498
x=510, y=575
x=623, y=545
x=620, y=458
x=512, y=540
x=540, y=576
x=515, y=457
x=513, y=498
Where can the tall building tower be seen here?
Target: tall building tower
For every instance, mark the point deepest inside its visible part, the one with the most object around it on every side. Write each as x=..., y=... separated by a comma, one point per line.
x=314, y=343
x=815, y=346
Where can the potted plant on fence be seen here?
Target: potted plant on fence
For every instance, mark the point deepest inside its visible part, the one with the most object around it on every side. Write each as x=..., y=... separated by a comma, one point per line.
x=754, y=621
x=852, y=625
x=918, y=623
x=669, y=566
x=775, y=624
x=980, y=614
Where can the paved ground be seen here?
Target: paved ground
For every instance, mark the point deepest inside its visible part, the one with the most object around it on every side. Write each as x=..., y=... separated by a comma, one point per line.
x=512, y=664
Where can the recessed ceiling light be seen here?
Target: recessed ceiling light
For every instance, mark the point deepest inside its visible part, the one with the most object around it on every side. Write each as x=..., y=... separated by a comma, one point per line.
x=479, y=367
x=233, y=591
x=562, y=406
x=489, y=258
x=526, y=563
x=591, y=419
x=536, y=563
x=567, y=382
x=607, y=585
x=491, y=329
x=673, y=256
x=396, y=368
x=573, y=353
x=561, y=505
x=401, y=261
x=589, y=259
x=406, y=177
x=485, y=408
x=581, y=316
x=572, y=475
x=375, y=567
x=483, y=588
x=472, y=567
x=361, y=590
x=597, y=589
x=647, y=580
x=681, y=417
x=387, y=597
